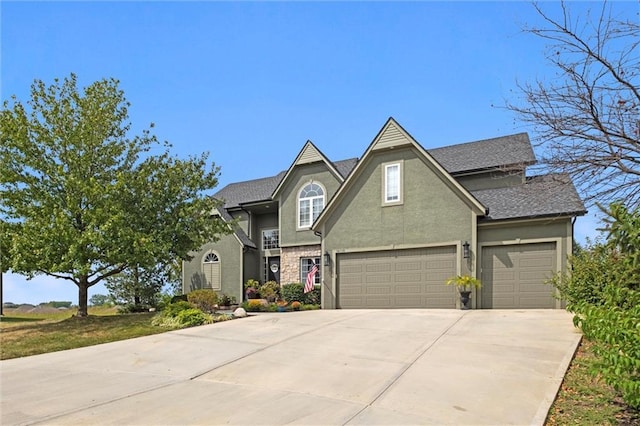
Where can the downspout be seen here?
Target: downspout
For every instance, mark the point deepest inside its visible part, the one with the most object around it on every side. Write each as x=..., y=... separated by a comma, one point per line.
x=319, y=234
x=573, y=224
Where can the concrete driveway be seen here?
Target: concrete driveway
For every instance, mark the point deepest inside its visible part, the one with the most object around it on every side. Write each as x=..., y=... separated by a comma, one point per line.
x=322, y=367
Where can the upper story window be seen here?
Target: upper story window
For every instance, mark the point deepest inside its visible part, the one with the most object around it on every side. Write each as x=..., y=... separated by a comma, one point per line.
x=392, y=187
x=310, y=204
x=270, y=239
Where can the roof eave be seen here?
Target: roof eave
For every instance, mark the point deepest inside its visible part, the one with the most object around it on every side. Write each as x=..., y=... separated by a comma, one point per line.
x=488, y=219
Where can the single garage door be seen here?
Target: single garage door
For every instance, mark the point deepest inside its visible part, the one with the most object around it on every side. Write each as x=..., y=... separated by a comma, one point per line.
x=514, y=276
x=412, y=278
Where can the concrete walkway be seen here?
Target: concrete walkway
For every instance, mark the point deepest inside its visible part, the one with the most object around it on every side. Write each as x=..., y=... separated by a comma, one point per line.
x=322, y=367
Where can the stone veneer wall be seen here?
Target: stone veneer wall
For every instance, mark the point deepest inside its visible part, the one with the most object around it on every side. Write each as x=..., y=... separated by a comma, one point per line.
x=290, y=261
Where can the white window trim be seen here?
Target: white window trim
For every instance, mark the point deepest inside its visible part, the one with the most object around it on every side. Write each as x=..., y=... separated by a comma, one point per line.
x=324, y=203
x=262, y=236
x=218, y=262
x=385, y=167
x=318, y=277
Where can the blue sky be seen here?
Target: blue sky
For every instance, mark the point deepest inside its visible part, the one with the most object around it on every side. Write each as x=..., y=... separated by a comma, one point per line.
x=251, y=82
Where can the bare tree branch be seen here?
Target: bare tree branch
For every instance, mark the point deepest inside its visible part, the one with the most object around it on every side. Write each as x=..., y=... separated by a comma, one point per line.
x=587, y=118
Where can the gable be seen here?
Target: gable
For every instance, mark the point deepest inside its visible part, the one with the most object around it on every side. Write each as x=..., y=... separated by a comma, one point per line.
x=309, y=154
x=430, y=211
x=390, y=137
x=300, y=176
x=393, y=137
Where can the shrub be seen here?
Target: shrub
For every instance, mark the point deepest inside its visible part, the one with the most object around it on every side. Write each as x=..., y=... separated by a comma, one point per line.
x=252, y=293
x=224, y=300
x=270, y=290
x=251, y=284
x=604, y=293
x=178, y=298
x=206, y=300
x=192, y=317
x=173, y=309
x=592, y=269
x=296, y=305
x=181, y=314
x=295, y=292
x=254, y=305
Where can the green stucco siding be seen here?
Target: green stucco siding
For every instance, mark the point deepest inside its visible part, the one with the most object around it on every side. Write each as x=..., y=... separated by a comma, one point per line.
x=433, y=212
x=430, y=213
x=491, y=180
x=229, y=252
x=290, y=235
x=242, y=220
x=262, y=222
x=523, y=232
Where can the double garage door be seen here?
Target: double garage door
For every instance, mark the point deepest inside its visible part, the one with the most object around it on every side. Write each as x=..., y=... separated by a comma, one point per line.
x=513, y=276
x=411, y=278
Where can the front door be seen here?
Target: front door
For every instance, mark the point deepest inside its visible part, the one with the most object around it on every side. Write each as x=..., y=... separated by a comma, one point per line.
x=273, y=272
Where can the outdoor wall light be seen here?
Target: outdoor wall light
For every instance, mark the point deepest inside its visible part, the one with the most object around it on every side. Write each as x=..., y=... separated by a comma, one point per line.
x=465, y=250
x=327, y=259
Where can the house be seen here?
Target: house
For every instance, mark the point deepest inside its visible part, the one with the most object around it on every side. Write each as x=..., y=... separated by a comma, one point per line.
x=388, y=229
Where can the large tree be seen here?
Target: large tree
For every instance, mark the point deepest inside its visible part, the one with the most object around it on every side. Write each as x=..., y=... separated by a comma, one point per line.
x=140, y=287
x=87, y=200
x=587, y=116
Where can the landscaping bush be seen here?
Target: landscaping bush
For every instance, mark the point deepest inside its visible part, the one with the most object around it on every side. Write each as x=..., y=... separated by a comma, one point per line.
x=269, y=290
x=224, y=300
x=254, y=305
x=296, y=305
x=192, y=317
x=252, y=293
x=295, y=292
x=181, y=314
x=604, y=293
x=206, y=300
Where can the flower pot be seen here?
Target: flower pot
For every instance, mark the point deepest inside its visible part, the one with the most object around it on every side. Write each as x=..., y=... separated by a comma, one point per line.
x=464, y=299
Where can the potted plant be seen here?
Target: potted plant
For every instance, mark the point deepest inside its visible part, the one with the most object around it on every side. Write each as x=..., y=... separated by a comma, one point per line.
x=464, y=283
x=282, y=305
x=251, y=289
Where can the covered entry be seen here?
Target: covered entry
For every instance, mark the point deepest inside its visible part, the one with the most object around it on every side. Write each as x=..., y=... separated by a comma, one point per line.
x=408, y=278
x=513, y=276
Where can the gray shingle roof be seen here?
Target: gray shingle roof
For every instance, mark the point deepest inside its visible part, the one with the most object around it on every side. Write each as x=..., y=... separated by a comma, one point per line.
x=242, y=236
x=248, y=191
x=255, y=190
x=344, y=167
x=540, y=196
x=484, y=154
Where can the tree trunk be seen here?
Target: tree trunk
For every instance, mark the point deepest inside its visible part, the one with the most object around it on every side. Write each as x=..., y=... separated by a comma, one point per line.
x=83, y=293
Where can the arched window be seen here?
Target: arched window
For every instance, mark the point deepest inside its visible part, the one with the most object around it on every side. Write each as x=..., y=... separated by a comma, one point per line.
x=310, y=204
x=211, y=270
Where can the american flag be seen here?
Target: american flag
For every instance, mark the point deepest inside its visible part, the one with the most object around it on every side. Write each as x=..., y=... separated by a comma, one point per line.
x=311, y=279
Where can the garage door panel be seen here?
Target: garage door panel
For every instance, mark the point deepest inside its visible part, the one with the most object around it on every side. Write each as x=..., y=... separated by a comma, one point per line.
x=373, y=290
x=408, y=278
x=513, y=276
x=379, y=302
x=377, y=279
x=414, y=278
x=352, y=268
x=536, y=263
x=378, y=267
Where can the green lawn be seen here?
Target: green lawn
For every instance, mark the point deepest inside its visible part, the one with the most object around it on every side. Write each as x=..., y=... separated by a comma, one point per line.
x=24, y=334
